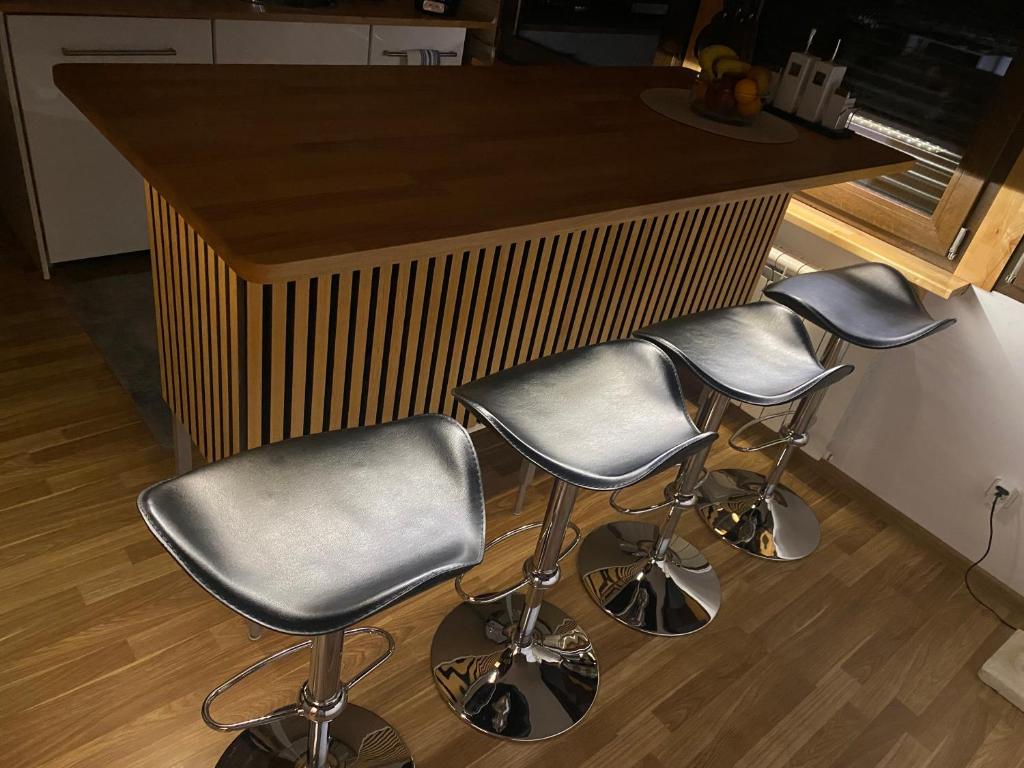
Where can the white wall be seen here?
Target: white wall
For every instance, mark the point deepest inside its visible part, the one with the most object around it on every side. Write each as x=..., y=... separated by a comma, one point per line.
x=927, y=427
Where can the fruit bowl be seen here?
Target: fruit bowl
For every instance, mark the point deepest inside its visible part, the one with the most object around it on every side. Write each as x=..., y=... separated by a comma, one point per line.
x=727, y=89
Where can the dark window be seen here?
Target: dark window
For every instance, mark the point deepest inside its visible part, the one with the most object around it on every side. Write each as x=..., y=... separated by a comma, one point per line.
x=924, y=73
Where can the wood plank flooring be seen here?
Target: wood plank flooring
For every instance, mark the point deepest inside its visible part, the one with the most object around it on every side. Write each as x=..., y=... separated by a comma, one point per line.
x=863, y=655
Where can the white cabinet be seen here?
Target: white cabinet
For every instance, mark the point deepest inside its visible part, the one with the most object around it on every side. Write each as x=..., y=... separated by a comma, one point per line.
x=90, y=199
x=286, y=42
x=388, y=43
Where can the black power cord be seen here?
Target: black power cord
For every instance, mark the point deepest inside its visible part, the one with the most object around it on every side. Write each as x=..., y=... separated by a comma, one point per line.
x=999, y=493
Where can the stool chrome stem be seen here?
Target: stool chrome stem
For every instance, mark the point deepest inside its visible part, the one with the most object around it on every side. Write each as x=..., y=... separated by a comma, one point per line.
x=757, y=513
x=544, y=569
x=709, y=418
x=518, y=667
x=797, y=428
x=323, y=689
x=643, y=575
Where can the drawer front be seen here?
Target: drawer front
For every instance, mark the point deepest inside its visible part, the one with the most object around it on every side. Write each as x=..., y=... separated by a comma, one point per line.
x=388, y=44
x=90, y=199
x=287, y=42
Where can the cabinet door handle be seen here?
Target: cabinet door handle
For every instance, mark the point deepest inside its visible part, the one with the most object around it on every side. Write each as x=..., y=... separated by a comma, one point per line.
x=400, y=54
x=72, y=52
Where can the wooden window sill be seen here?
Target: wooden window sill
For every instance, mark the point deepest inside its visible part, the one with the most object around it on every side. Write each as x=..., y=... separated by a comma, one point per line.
x=921, y=273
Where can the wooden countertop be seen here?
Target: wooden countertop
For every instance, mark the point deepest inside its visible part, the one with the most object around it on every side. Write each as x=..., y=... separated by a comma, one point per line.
x=293, y=171
x=380, y=12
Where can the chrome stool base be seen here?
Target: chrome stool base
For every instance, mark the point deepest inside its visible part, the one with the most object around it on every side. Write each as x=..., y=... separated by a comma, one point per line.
x=672, y=596
x=778, y=527
x=358, y=737
x=502, y=689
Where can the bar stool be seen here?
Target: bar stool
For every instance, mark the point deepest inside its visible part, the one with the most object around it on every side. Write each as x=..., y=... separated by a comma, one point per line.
x=310, y=536
x=602, y=418
x=758, y=354
x=870, y=305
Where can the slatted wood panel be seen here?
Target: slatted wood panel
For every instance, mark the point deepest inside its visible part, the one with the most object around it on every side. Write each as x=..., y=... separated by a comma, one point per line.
x=244, y=364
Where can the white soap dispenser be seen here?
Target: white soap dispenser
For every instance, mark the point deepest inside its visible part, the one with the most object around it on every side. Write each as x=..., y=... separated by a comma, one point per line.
x=794, y=77
x=825, y=77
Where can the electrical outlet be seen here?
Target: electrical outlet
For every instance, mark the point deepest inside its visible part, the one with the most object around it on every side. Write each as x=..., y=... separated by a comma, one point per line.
x=1006, y=502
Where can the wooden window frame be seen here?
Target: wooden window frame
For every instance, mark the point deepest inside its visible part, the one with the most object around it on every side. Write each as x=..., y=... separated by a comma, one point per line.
x=932, y=236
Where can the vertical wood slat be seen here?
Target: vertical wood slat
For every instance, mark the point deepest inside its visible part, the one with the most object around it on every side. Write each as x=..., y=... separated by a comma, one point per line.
x=395, y=348
x=253, y=364
x=159, y=304
x=438, y=399
x=575, y=319
x=203, y=345
x=498, y=259
x=181, y=310
x=346, y=306
x=321, y=338
x=243, y=363
x=194, y=369
x=663, y=267
x=376, y=340
x=300, y=337
x=235, y=383
x=278, y=367
x=213, y=387
x=358, y=347
x=466, y=297
x=535, y=296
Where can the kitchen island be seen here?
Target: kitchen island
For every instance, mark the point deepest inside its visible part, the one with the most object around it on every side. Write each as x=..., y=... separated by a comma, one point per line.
x=340, y=246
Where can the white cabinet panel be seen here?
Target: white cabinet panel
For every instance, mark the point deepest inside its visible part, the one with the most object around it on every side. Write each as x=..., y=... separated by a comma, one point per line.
x=90, y=199
x=287, y=42
x=397, y=40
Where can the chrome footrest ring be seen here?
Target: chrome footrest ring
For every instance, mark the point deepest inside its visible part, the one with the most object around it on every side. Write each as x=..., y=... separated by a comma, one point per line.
x=637, y=510
x=388, y=638
x=278, y=714
x=494, y=597
x=781, y=440
x=296, y=709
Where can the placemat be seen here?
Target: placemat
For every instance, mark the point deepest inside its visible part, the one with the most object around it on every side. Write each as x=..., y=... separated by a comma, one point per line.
x=674, y=103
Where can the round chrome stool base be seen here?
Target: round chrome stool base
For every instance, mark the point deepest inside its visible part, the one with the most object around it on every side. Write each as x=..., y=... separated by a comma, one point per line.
x=674, y=596
x=778, y=527
x=358, y=738
x=502, y=689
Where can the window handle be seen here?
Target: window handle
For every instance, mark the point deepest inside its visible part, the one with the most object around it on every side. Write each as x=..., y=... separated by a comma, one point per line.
x=77, y=52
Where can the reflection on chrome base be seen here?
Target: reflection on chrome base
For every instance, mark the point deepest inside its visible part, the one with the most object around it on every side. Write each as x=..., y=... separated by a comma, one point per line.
x=521, y=693
x=778, y=527
x=676, y=595
x=359, y=738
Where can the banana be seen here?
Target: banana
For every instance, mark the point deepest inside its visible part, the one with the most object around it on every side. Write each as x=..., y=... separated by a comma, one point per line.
x=711, y=54
x=730, y=66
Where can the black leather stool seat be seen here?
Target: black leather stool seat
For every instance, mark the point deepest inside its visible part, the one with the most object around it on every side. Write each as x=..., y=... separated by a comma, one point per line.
x=314, y=534
x=600, y=417
x=755, y=353
x=870, y=305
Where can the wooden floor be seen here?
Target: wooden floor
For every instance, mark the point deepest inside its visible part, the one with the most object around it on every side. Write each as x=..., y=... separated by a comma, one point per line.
x=865, y=654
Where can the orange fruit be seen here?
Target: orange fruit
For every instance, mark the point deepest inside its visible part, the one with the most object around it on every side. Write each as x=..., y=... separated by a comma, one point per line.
x=746, y=91
x=748, y=108
x=762, y=77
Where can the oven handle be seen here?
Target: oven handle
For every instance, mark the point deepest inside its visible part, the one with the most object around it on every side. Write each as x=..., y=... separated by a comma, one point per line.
x=402, y=54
